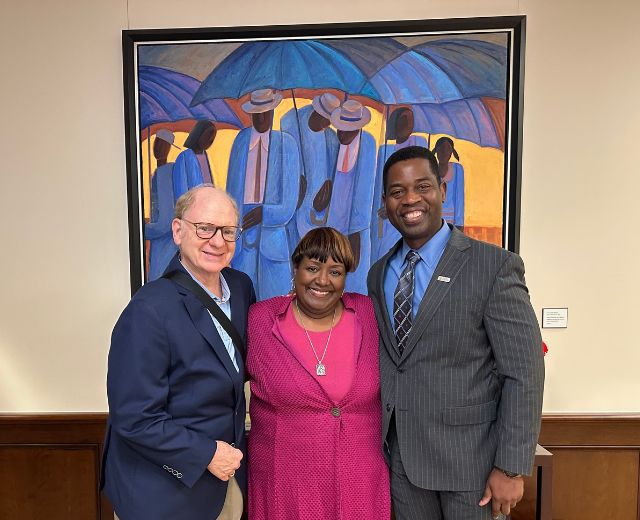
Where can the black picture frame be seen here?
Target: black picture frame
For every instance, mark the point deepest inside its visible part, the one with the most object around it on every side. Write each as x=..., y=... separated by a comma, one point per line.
x=512, y=26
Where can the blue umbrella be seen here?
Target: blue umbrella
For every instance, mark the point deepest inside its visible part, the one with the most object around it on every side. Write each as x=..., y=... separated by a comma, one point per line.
x=368, y=54
x=433, y=72
x=442, y=81
x=413, y=78
x=165, y=96
x=283, y=65
x=467, y=119
x=477, y=68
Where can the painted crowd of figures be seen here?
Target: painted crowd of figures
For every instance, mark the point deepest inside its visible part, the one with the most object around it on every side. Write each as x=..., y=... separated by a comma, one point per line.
x=320, y=169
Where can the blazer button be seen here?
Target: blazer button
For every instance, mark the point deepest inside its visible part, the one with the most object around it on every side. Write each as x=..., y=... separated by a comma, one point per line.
x=335, y=412
x=388, y=407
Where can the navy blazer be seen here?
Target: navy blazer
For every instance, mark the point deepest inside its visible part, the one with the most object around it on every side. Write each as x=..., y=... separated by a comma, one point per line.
x=173, y=391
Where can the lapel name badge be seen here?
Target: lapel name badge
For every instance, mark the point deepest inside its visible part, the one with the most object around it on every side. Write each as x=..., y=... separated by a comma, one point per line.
x=444, y=279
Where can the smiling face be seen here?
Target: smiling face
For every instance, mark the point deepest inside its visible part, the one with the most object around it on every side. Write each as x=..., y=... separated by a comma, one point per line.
x=413, y=200
x=205, y=258
x=319, y=286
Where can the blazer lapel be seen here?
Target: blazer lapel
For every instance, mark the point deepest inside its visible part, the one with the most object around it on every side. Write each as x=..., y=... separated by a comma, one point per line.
x=238, y=318
x=380, y=306
x=204, y=324
x=357, y=343
x=449, y=266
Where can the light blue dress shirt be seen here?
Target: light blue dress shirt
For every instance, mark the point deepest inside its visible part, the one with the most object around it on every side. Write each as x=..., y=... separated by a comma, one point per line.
x=430, y=254
x=225, y=305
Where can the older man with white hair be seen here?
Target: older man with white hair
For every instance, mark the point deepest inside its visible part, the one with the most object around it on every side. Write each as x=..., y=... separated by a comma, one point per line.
x=175, y=439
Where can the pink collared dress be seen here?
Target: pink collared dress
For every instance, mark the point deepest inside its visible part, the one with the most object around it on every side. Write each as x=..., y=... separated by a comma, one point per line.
x=315, y=446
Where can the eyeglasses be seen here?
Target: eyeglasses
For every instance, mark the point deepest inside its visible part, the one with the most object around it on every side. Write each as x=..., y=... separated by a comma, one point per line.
x=208, y=231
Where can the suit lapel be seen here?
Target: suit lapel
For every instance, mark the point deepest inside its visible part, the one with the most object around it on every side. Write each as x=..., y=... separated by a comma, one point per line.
x=238, y=318
x=357, y=342
x=453, y=259
x=204, y=324
x=380, y=305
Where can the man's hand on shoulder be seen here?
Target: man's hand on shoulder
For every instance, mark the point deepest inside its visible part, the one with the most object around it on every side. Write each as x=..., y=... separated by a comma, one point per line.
x=503, y=492
x=225, y=461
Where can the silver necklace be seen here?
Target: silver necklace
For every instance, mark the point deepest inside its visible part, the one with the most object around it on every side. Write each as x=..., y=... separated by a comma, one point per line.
x=321, y=369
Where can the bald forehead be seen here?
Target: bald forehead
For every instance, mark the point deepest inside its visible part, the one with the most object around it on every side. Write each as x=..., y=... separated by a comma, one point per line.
x=213, y=205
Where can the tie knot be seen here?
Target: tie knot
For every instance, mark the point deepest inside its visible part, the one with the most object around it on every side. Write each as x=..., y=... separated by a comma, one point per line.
x=413, y=257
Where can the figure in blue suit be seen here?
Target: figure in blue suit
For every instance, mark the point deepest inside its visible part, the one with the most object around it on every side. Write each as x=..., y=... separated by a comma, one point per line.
x=192, y=166
x=158, y=231
x=175, y=436
x=453, y=175
x=352, y=188
x=264, y=177
x=318, y=144
x=399, y=128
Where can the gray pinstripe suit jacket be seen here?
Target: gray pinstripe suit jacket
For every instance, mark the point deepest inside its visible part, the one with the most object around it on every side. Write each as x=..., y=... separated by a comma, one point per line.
x=467, y=393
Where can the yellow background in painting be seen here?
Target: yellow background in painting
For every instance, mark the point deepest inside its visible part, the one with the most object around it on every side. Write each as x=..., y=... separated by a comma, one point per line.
x=483, y=182
x=284, y=107
x=218, y=156
x=483, y=167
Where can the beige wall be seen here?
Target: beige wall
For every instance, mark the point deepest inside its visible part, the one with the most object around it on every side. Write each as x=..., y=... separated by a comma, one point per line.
x=64, y=232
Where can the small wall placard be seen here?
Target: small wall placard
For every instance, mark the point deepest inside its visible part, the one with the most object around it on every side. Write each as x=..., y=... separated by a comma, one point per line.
x=555, y=318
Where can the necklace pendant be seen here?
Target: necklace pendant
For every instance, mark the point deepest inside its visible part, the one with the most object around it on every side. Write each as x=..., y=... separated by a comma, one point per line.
x=321, y=370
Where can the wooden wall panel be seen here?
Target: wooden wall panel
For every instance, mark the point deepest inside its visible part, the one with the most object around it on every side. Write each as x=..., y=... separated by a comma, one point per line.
x=593, y=484
x=49, y=467
x=596, y=466
x=52, y=482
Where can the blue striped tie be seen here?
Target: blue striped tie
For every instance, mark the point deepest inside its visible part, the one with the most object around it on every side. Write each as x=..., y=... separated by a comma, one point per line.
x=403, y=301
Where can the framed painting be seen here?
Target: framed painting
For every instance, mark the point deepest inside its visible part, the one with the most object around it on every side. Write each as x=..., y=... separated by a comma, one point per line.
x=296, y=123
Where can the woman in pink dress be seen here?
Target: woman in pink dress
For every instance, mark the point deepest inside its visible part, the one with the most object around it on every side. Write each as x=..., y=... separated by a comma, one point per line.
x=315, y=446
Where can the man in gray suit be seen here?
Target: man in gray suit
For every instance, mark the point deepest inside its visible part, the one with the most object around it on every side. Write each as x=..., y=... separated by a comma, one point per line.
x=460, y=357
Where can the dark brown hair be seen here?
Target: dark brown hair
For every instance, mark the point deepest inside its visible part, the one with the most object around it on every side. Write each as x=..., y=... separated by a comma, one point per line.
x=323, y=243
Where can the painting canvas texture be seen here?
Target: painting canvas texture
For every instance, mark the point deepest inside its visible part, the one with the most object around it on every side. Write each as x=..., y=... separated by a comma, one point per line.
x=298, y=130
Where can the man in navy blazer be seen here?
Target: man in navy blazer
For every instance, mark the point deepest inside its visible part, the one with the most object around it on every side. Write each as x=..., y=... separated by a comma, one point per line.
x=175, y=437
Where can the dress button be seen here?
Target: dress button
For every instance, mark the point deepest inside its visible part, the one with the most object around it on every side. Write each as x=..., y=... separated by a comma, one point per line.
x=388, y=407
x=335, y=412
